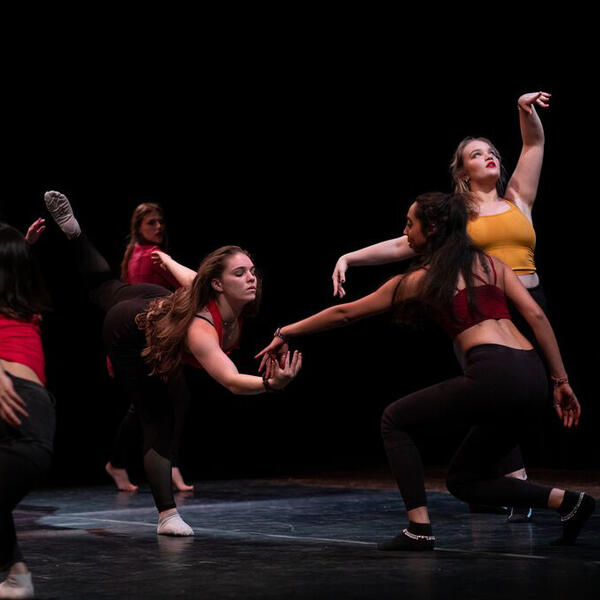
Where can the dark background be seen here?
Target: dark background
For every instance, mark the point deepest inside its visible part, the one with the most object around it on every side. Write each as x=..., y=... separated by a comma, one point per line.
x=298, y=156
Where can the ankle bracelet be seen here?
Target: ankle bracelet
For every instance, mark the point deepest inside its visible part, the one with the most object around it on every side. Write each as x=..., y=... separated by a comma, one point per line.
x=414, y=536
x=572, y=513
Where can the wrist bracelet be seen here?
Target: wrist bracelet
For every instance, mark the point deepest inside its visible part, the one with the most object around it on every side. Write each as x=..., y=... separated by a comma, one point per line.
x=280, y=335
x=268, y=388
x=558, y=381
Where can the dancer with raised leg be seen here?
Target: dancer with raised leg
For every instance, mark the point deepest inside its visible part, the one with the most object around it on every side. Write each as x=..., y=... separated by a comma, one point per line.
x=501, y=224
x=27, y=418
x=504, y=386
x=149, y=333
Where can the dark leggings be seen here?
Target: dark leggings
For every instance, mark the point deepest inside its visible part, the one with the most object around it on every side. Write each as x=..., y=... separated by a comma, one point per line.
x=513, y=461
x=124, y=342
x=501, y=393
x=25, y=457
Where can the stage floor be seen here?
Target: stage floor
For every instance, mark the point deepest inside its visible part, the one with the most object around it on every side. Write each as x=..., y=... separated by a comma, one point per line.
x=286, y=539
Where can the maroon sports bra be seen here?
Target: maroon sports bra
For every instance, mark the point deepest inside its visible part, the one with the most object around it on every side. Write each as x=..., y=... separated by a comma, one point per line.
x=489, y=299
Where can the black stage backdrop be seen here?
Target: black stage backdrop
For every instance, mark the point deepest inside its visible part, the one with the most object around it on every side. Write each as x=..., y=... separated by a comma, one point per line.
x=299, y=159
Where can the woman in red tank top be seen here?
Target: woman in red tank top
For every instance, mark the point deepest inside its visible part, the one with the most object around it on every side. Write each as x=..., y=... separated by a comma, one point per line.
x=27, y=419
x=466, y=291
x=148, y=233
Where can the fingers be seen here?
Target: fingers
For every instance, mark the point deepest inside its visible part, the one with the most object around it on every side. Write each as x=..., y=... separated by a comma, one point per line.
x=263, y=362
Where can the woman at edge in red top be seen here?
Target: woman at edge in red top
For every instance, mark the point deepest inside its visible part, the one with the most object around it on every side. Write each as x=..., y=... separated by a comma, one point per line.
x=148, y=233
x=27, y=417
x=504, y=386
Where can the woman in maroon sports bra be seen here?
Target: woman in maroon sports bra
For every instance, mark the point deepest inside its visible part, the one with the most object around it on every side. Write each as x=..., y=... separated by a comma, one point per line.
x=465, y=291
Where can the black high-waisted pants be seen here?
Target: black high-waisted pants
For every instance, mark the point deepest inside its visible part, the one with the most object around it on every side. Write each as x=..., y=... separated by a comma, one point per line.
x=502, y=392
x=25, y=458
x=152, y=398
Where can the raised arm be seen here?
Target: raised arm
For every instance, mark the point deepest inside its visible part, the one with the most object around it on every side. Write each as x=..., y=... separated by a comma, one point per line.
x=523, y=184
x=183, y=275
x=377, y=254
x=565, y=401
x=203, y=342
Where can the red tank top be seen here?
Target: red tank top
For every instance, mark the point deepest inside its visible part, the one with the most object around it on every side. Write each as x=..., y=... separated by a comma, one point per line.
x=490, y=301
x=21, y=342
x=141, y=269
x=215, y=313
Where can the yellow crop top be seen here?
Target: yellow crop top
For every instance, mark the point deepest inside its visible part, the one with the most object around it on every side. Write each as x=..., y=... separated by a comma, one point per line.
x=509, y=236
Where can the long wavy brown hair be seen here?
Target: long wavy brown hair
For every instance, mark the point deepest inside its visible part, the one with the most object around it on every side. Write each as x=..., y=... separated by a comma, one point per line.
x=166, y=321
x=135, y=237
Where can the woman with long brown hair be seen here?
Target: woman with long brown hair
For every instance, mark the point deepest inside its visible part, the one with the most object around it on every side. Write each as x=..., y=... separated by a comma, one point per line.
x=501, y=223
x=149, y=333
x=148, y=233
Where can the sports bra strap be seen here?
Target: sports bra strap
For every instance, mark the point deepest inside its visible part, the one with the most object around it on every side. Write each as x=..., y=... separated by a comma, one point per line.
x=493, y=268
x=199, y=316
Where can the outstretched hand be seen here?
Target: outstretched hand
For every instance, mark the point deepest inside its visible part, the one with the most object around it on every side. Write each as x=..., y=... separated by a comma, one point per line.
x=35, y=231
x=540, y=98
x=278, y=347
x=282, y=375
x=158, y=257
x=566, y=405
x=10, y=402
x=339, y=277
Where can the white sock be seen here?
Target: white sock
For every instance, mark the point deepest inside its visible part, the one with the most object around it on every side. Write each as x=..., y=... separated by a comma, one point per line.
x=60, y=209
x=173, y=524
x=17, y=586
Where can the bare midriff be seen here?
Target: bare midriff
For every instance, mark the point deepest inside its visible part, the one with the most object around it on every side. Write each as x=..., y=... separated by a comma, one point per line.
x=492, y=331
x=20, y=370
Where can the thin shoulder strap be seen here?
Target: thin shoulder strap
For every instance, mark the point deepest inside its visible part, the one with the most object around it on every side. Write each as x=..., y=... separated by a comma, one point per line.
x=199, y=316
x=493, y=268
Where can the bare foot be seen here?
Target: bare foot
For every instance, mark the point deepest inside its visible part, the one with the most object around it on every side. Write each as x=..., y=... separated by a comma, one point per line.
x=121, y=478
x=178, y=483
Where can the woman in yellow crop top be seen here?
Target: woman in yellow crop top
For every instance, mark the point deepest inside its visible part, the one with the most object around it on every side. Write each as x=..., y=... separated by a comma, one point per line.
x=502, y=226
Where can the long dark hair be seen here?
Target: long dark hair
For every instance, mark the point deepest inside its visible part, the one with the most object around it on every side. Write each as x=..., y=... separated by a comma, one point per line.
x=166, y=321
x=135, y=237
x=448, y=253
x=22, y=293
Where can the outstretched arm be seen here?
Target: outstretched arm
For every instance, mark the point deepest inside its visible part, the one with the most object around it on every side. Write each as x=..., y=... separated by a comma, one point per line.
x=377, y=254
x=203, y=342
x=523, y=184
x=565, y=401
x=378, y=302
x=183, y=275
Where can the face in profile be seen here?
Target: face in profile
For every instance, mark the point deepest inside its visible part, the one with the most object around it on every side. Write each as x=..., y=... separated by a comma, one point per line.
x=414, y=231
x=480, y=162
x=152, y=228
x=238, y=280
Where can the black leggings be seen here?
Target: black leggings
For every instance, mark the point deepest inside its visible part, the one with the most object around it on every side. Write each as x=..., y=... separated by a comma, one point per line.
x=513, y=461
x=124, y=342
x=25, y=457
x=501, y=393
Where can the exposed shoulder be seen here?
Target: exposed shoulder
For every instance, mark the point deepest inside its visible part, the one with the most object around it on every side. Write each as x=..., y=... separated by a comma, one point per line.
x=411, y=284
x=201, y=335
x=522, y=206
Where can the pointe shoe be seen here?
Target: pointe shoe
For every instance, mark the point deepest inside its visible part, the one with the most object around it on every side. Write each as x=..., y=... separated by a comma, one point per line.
x=121, y=478
x=17, y=586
